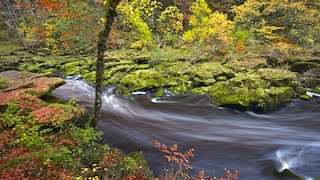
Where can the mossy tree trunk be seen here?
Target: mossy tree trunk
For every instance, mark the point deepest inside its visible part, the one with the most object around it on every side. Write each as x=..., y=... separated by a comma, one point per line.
x=110, y=14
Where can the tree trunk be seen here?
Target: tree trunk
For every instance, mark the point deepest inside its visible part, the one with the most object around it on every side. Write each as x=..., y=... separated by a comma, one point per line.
x=110, y=14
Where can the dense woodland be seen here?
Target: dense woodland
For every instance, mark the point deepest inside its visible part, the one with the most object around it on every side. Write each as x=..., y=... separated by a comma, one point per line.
x=71, y=27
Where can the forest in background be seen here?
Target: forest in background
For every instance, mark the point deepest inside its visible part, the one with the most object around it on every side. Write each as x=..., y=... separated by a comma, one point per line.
x=214, y=26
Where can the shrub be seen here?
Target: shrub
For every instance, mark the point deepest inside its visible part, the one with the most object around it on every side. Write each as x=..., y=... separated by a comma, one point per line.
x=180, y=165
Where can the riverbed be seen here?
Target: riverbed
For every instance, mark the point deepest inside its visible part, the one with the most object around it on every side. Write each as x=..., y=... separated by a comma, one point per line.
x=260, y=145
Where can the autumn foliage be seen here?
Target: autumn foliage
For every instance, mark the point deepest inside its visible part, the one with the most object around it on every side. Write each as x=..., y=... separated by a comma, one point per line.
x=71, y=27
x=48, y=140
x=180, y=165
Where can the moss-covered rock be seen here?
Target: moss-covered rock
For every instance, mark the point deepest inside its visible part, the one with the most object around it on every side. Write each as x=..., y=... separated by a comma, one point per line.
x=205, y=73
x=273, y=98
x=4, y=82
x=148, y=79
x=77, y=67
x=247, y=91
x=277, y=77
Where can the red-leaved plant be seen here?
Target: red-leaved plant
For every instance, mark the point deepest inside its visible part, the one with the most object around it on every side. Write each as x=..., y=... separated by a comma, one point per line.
x=180, y=165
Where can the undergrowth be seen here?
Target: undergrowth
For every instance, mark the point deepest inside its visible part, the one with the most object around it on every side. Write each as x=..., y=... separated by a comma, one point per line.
x=32, y=150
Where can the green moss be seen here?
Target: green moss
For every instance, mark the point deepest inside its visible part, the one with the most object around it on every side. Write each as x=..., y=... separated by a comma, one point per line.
x=274, y=97
x=117, y=63
x=159, y=93
x=4, y=82
x=247, y=90
x=123, y=68
x=205, y=73
x=278, y=77
x=174, y=68
x=224, y=93
x=170, y=54
x=29, y=67
x=141, y=80
x=72, y=68
x=90, y=76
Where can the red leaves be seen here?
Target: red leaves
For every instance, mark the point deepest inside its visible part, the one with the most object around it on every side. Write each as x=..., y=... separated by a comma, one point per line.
x=48, y=115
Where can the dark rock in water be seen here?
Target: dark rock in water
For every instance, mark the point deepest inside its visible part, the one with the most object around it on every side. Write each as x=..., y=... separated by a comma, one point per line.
x=302, y=67
x=289, y=173
x=311, y=79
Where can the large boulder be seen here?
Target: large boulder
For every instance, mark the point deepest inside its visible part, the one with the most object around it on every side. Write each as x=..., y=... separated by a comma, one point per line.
x=248, y=92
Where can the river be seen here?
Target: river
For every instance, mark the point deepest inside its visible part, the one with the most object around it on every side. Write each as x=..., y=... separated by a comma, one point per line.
x=260, y=145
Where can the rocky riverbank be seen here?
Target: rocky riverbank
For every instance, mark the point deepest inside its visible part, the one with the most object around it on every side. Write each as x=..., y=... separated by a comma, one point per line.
x=258, y=83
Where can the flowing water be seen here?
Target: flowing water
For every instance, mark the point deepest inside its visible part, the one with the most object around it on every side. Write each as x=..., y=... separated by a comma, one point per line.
x=260, y=145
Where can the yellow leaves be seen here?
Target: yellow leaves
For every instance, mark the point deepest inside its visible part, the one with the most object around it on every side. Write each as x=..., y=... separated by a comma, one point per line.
x=298, y=19
x=213, y=28
x=189, y=36
x=248, y=12
x=171, y=19
x=102, y=20
x=200, y=13
x=240, y=46
x=83, y=170
x=135, y=14
x=47, y=162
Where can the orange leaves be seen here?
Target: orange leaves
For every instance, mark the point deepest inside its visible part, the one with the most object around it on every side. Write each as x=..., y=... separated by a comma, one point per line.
x=50, y=4
x=174, y=147
x=202, y=175
x=178, y=159
x=231, y=176
x=173, y=154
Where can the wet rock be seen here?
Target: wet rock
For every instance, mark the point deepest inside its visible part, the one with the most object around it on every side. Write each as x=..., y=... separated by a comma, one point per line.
x=304, y=66
x=311, y=79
